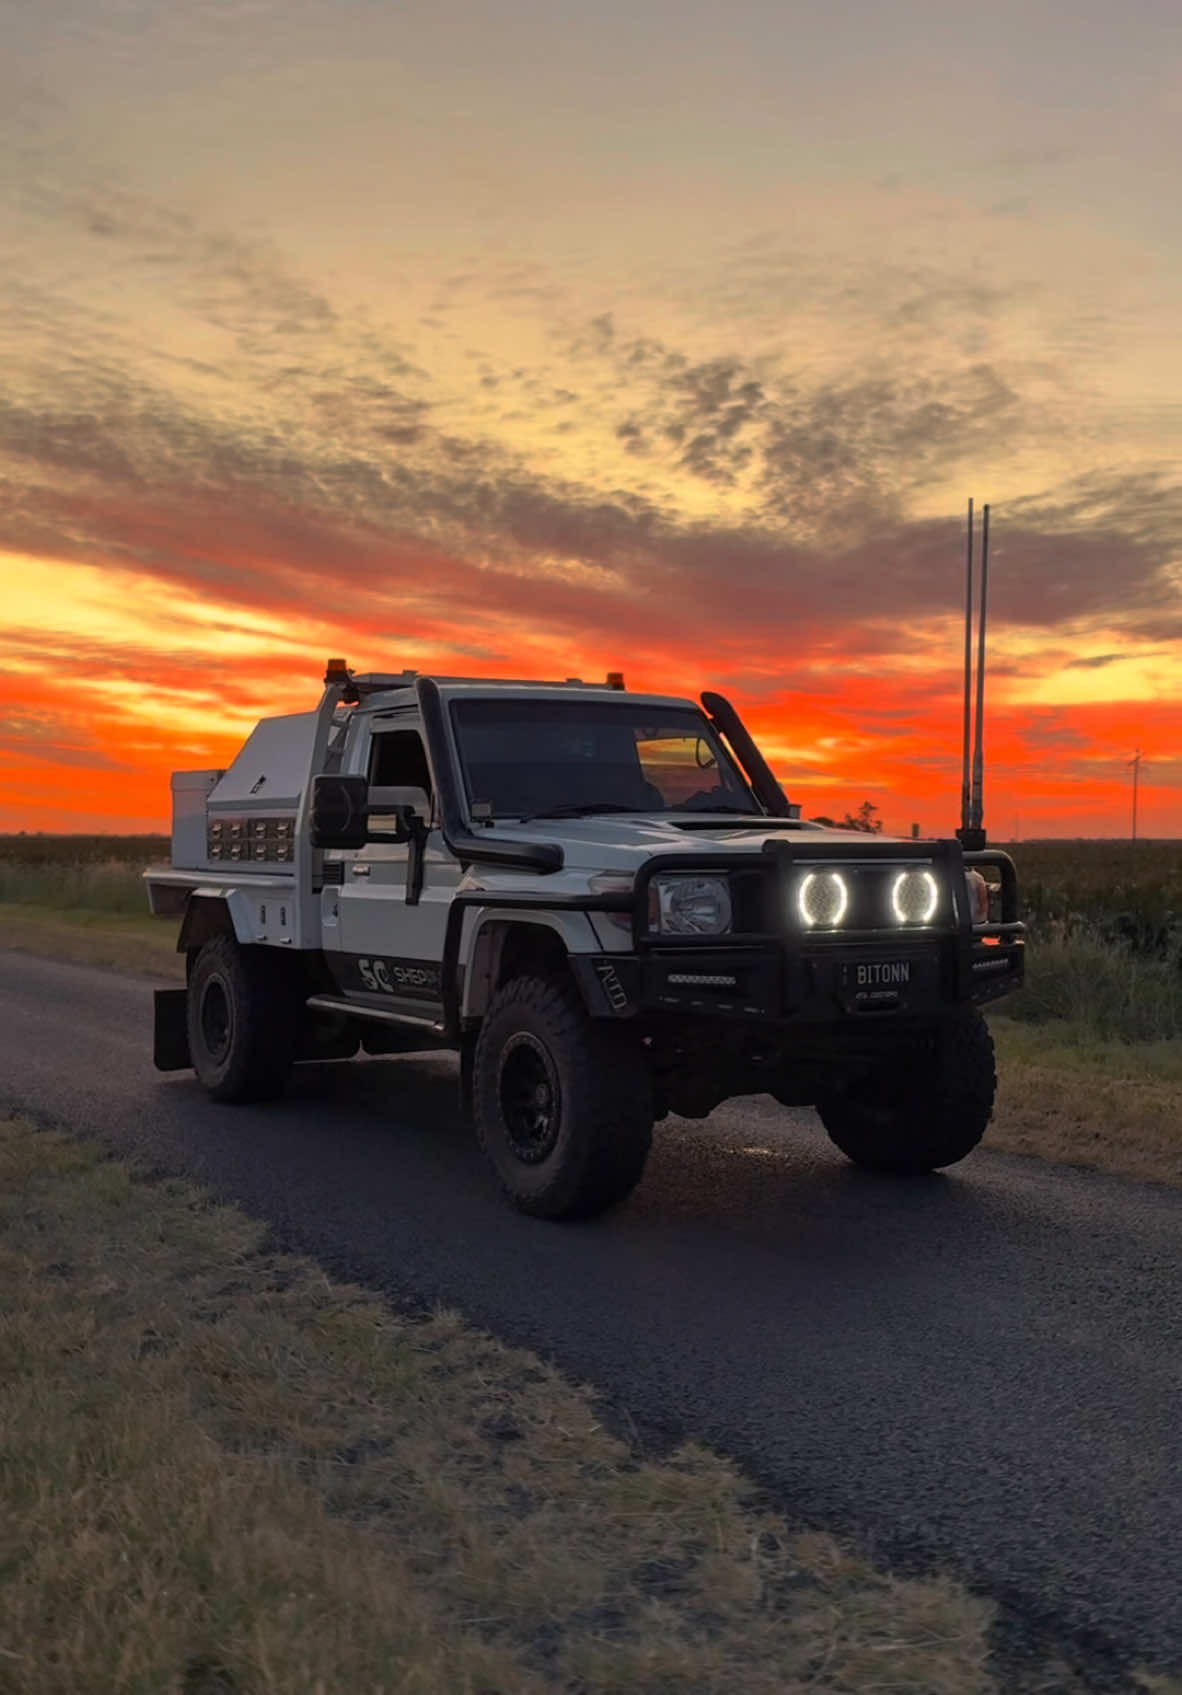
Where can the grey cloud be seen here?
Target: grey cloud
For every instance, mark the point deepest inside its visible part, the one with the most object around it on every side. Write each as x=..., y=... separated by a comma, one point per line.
x=899, y=305
x=808, y=451
x=596, y=337
x=42, y=735
x=1048, y=730
x=1094, y=661
x=16, y=749
x=349, y=465
x=236, y=285
x=296, y=510
x=1104, y=546
x=1158, y=626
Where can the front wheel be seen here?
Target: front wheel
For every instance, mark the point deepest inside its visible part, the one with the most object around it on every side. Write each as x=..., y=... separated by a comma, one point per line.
x=921, y=1109
x=562, y=1104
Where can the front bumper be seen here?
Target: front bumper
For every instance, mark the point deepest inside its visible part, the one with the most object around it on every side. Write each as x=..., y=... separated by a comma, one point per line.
x=780, y=973
x=770, y=984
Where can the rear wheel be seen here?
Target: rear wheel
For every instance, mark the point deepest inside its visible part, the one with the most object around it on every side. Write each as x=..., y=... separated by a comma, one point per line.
x=562, y=1104
x=243, y=1018
x=921, y=1110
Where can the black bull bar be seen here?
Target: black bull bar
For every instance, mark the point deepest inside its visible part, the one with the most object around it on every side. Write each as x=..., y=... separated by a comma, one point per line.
x=968, y=961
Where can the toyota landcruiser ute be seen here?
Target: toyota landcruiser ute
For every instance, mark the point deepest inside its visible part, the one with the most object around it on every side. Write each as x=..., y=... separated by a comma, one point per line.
x=603, y=901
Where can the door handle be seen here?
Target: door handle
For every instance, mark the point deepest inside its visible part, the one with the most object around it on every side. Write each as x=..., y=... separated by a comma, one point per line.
x=361, y=870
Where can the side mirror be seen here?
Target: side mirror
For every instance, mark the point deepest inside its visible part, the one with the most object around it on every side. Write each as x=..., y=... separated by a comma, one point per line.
x=340, y=812
x=398, y=801
x=405, y=813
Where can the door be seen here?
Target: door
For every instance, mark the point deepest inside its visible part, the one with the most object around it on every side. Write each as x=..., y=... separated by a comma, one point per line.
x=383, y=949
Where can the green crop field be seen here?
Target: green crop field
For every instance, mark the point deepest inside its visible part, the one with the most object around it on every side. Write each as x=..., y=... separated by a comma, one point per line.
x=79, y=873
x=1137, y=886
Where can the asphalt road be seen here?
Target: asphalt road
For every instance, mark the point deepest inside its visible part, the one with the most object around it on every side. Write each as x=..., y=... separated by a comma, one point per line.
x=979, y=1372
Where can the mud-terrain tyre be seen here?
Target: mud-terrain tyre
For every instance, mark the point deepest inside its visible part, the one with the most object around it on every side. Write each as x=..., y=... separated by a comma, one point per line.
x=562, y=1104
x=243, y=1016
x=921, y=1110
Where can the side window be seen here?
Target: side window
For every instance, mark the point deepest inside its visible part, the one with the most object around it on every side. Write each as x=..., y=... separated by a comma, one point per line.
x=398, y=760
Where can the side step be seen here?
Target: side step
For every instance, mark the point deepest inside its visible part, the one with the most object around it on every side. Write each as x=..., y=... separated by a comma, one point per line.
x=170, y=1044
x=387, y=1030
x=379, y=1014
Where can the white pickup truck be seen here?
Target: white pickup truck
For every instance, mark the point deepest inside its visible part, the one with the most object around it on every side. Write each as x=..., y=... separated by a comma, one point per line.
x=602, y=901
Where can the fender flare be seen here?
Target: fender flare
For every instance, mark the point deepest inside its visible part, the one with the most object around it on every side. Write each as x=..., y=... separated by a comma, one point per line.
x=483, y=946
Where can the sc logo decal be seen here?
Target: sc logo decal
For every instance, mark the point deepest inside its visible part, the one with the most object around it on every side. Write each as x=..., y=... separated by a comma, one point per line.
x=390, y=977
x=375, y=976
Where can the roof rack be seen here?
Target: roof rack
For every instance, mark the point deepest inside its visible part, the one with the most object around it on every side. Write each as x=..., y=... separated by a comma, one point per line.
x=378, y=682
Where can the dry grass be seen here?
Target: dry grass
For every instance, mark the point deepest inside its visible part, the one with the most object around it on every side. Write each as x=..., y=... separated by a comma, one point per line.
x=142, y=945
x=222, y=1473
x=1109, y=1106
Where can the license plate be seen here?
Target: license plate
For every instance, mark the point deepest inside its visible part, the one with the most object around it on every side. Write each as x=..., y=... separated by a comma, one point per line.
x=878, y=982
x=879, y=974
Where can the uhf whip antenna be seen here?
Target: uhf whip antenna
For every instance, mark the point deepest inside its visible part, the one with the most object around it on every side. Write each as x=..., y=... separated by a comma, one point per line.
x=972, y=800
x=965, y=793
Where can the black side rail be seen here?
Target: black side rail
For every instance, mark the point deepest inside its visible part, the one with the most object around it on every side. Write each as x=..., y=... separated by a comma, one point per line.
x=759, y=773
x=467, y=845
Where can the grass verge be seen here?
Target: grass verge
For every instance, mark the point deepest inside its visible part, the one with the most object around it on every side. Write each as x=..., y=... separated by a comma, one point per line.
x=136, y=943
x=222, y=1473
x=1066, y=1096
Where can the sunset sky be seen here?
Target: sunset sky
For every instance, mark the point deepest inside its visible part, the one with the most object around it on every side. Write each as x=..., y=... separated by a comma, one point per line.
x=532, y=338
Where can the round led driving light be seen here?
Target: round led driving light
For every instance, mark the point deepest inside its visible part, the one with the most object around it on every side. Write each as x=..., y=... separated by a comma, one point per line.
x=915, y=895
x=823, y=899
x=693, y=906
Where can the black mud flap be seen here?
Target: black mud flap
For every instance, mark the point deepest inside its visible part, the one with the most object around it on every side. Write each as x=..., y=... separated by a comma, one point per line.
x=171, y=1042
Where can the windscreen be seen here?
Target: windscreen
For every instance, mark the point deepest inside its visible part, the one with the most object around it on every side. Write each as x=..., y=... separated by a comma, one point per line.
x=530, y=759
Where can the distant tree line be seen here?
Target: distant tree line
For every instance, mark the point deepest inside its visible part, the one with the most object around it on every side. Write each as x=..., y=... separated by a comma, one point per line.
x=866, y=818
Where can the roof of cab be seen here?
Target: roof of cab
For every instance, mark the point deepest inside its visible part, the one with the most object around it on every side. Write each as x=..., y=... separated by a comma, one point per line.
x=459, y=688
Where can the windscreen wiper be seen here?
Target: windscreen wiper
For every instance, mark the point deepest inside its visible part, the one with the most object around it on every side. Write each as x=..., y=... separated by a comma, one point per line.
x=583, y=809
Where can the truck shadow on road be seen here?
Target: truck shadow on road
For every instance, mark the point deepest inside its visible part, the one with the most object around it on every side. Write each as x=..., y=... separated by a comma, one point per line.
x=384, y=1142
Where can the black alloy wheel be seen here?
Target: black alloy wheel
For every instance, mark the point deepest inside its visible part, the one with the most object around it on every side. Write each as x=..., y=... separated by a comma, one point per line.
x=563, y=1102
x=216, y=1017
x=244, y=1015
x=531, y=1098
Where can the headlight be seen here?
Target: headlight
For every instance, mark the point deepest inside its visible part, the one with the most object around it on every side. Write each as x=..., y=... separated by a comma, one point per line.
x=690, y=906
x=822, y=899
x=978, y=893
x=915, y=895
